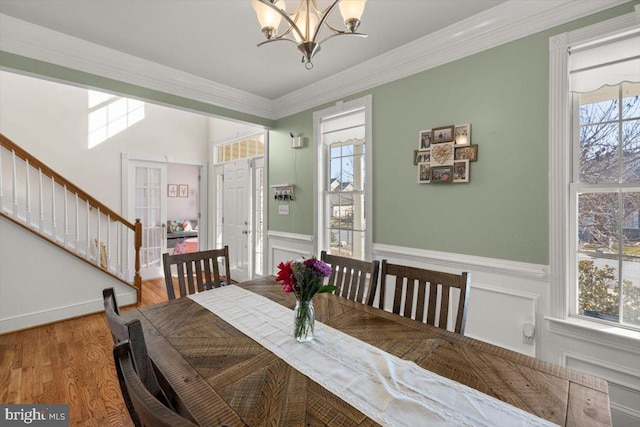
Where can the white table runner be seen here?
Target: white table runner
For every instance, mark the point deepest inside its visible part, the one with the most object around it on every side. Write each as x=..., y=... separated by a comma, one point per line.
x=389, y=390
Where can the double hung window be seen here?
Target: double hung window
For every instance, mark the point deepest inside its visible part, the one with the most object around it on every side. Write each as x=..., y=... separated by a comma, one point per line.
x=343, y=177
x=604, y=189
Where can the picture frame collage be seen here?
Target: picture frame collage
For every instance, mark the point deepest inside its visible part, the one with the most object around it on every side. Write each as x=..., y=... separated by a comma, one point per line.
x=177, y=190
x=444, y=154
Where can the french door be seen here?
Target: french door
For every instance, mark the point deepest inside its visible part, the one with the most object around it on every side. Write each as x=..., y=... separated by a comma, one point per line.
x=147, y=201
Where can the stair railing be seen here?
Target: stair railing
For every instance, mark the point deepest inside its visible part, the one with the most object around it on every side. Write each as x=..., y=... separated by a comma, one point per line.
x=39, y=199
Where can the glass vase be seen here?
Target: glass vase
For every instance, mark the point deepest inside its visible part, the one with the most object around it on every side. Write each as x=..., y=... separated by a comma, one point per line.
x=303, y=321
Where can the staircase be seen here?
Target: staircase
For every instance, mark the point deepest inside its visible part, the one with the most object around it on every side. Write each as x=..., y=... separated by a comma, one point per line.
x=40, y=200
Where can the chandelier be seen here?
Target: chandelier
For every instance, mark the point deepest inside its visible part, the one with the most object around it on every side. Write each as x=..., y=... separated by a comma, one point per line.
x=305, y=23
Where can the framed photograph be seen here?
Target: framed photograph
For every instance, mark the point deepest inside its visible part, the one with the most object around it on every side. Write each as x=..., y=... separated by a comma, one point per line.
x=442, y=134
x=421, y=156
x=424, y=139
x=183, y=190
x=467, y=153
x=441, y=174
x=442, y=154
x=424, y=173
x=463, y=135
x=461, y=171
x=172, y=190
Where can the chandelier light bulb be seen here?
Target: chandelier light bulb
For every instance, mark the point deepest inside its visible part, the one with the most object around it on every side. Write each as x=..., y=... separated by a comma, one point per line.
x=351, y=11
x=269, y=19
x=307, y=20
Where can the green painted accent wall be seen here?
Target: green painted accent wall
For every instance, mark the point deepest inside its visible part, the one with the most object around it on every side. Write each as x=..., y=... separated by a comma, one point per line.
x=503, y=212
x=19, y=63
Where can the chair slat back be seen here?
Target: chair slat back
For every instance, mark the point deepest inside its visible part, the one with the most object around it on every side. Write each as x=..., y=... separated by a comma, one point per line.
x=356, y=280
x=123, y=330
x=412, y=283
x=148, y=409
x=197, y=271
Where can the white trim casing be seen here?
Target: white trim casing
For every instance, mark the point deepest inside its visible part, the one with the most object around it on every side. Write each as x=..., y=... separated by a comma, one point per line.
x=508, y=21
x=560, y=146
x=320, y=169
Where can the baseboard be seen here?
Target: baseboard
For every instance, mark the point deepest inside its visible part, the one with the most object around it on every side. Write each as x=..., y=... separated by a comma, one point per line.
x=29, y=320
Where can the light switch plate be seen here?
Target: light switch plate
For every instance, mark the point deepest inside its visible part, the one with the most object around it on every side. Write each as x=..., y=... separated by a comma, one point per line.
x=283, y=209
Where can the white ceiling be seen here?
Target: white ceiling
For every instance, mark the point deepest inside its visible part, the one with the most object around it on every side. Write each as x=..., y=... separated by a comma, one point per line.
x=217, y=39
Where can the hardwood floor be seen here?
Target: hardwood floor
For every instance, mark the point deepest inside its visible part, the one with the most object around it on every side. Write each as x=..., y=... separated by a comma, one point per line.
x=69, y=362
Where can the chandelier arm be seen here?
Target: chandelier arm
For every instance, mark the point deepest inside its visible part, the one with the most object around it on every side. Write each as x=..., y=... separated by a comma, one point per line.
x=291, y=23
x=342, y=33
x=323, y=20
x=279, y=39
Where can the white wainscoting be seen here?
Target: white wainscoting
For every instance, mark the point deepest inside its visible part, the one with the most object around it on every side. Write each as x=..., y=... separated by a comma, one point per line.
x=624, y=385
x=504, y=294
x=285, y=247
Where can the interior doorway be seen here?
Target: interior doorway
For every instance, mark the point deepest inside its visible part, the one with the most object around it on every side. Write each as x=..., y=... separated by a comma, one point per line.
x=239, y=203
x=170, y=200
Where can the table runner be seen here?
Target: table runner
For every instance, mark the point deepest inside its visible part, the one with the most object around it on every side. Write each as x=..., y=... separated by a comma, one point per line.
x=387, y=389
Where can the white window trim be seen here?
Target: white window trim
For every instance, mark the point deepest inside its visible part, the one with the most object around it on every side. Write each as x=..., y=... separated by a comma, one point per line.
x=560, y=160
x=319, y=170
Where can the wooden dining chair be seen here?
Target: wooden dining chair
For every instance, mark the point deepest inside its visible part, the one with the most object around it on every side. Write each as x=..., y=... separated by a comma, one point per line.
x=197, y=271
x=148, y=410
x=149, y=375
x=356, y=280
x=429, y=291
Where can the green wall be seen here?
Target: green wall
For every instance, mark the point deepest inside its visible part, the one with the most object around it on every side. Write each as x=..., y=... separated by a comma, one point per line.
x=503, y=212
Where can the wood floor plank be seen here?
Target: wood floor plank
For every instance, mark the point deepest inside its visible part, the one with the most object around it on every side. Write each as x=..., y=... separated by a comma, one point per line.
x=69, y=362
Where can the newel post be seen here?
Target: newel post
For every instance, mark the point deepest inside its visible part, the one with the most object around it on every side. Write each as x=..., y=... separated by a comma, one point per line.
x=137, y=279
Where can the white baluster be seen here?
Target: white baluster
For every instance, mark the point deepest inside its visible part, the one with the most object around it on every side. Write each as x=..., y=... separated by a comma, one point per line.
x=88, y=232
x=108, y=242
x=14, y=185
x=98, y=243
x=53, y=210
x=77, y=224
x=1, y=202
x=28, y=215
x=118, y=248
x=66, y=218
x=41, y=199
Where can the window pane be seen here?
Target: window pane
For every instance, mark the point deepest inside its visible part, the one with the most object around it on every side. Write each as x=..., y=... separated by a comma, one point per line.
x=631, y=151
x=598, y=255
x=599, y=106
x=630, y=100
x=599, y=153
x=631, y=259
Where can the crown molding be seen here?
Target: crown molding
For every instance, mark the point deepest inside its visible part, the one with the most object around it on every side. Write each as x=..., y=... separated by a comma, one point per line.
x=504, y=23
x=509, y=21
x=32, y=41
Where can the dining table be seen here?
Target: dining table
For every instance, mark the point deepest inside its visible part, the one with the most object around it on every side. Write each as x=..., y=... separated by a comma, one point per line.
x=226, y=377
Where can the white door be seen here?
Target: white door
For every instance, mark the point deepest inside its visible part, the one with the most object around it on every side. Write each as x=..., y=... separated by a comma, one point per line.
x=236, y=226
x=148, y=201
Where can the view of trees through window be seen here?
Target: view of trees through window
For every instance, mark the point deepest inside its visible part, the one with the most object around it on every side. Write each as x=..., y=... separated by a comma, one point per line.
x=608, y=203
x=346, y=197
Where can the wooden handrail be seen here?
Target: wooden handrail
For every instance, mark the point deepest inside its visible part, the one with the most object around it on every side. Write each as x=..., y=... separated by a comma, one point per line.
x=81, y=194
x=47, y=171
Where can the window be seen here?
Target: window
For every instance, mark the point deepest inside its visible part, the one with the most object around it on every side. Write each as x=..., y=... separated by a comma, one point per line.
x=244, y=148
x=605, y=189
x=344, y=167
x=110, y=114
x=594, y=193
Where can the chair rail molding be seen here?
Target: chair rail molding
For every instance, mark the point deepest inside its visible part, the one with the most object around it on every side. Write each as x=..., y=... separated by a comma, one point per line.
x=522, y=270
